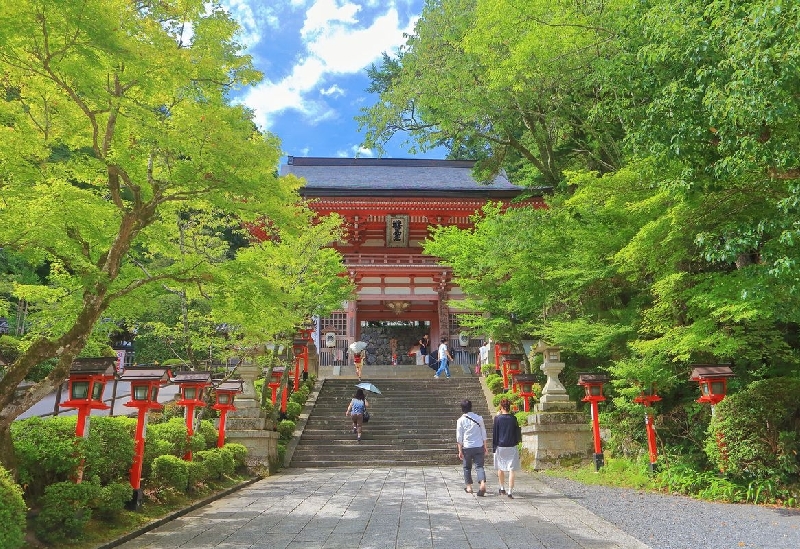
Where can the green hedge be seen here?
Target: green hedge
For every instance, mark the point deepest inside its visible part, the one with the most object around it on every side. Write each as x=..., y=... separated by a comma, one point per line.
x=755, y=433
x=65, y=511
x=170, y=471
x=12, y=512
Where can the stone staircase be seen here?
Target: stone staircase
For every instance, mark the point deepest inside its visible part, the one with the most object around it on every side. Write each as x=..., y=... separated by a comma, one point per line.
x=413, y=423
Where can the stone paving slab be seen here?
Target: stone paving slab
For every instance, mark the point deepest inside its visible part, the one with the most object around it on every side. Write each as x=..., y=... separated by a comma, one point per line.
x=386, y=508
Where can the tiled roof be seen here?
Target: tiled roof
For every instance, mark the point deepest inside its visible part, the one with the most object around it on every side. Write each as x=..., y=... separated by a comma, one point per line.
x=382, y=176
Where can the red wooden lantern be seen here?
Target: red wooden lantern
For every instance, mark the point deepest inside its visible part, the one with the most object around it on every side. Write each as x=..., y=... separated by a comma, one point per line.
x=524, y=384
x=713, y=380
x=647, y=399
x=593, y=385
x=87, y=381
x=511, y=364
x=300, y=352
x=225, y=392
x=500, y=349
x=275, y=382
x=192, y=385
x=145, y=382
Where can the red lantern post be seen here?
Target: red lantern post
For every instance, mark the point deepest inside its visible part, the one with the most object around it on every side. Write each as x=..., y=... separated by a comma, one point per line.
x=87, y=381
x=524, y=384
x=300, y=352
x=226, y=391
x=275, y=382
x=713, y=380
x=647, y=400
x=145, y=383
x=593, y=385
x=305, y=335
x=500, y=349
x=511, y=365
x=191, y=385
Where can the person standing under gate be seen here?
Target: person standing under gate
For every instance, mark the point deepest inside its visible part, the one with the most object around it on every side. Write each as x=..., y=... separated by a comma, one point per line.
x=424, y=345
x=505, y=437
x=444, y=358
x=358, y=362
x=471, y=439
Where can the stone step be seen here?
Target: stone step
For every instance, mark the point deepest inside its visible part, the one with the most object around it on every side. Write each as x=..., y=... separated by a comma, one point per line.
x=413, y=422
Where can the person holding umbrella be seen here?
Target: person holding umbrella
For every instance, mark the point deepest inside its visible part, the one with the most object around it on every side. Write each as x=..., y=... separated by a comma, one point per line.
x=358, y=348
x=356, y=410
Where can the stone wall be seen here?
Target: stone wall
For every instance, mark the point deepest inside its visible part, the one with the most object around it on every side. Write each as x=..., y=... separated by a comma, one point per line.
x=378, y=337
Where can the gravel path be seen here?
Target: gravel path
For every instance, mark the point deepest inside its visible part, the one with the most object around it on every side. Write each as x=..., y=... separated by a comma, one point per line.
x=677, y=522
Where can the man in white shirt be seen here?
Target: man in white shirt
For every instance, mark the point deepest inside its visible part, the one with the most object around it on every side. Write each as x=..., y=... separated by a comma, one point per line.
x=472, y=448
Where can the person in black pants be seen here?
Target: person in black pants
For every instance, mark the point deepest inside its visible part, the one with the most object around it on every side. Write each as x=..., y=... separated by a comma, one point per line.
x=505, y=437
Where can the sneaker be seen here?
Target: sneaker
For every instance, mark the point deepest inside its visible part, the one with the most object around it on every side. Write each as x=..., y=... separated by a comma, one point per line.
x=510, y=496
x=436, y=377
x=501, y=492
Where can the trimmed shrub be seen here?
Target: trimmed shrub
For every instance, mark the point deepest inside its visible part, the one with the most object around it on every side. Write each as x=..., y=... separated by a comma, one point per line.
x=293, y=410
x=65, y=511
x=219, y=462
x=239, y=452
x=197, y=473
x=112, y=499
x=47, y=452
x=209, y=433
x=286, y=429
x=755, y=433
x=495, y=383
x=12, y=512
x=170, y=471
x=299, y=397
x=109, y=448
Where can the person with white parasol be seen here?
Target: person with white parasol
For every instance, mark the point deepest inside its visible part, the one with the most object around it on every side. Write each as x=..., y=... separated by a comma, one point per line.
x=358, y=348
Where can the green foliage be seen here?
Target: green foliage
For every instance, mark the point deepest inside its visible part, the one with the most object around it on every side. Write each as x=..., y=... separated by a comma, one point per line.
x=109, y=448
x=209, y=433
x=171, y=437
x=495, y=383
x=293, y=410
x=47, y=452
x=754, y=434
x=239, y=452
x=286, y=429
x=197, y=474
x=12, y=512
x=219, y=462
x=170, y=471
x=111, y=500
x=65, y=511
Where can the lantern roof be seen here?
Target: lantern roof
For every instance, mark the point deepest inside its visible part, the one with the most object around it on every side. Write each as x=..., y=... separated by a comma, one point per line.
x=144, y=373
x=191, y=377
x=702, y=371
x=592, y=378
x=230, y=385
x=513, y=356
x=94, y=365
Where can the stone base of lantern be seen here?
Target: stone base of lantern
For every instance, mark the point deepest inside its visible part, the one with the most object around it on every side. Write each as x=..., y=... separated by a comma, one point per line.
x=262, y=447
x=556, y=435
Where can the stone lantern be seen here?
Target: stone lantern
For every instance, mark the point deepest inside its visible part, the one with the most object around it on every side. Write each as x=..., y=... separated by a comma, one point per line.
x=553, y=391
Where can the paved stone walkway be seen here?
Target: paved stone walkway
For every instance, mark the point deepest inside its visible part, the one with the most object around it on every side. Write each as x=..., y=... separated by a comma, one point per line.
x=383, y=508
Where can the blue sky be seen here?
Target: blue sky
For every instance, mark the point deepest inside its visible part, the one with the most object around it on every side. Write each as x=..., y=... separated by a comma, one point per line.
x=314, y=55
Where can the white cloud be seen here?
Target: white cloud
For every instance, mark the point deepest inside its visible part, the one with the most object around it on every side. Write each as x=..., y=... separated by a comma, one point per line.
x=355, y=150
x=336, y=45
x=324, y=13
x=334, y=91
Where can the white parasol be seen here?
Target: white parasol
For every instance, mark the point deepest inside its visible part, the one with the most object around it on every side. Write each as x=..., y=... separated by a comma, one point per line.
x=357, y=346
